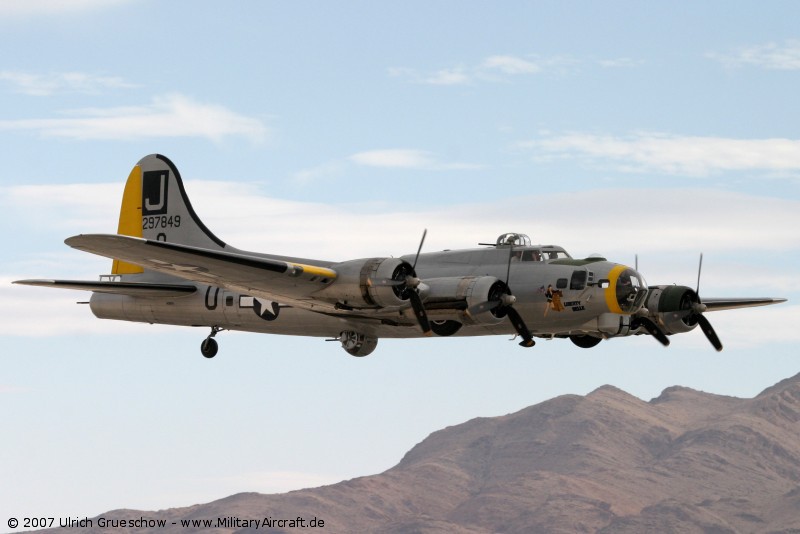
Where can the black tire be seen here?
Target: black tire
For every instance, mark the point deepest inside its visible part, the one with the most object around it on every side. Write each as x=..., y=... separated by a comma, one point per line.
x=585, y=342
x=445, y=328
x=209, y=347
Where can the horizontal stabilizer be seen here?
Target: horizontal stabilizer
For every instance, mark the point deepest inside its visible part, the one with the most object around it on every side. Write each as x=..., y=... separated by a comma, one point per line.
x=732, y=304
x=133, y=289
x=273, y=278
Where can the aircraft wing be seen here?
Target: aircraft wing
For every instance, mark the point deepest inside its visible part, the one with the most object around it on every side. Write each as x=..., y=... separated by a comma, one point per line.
x=134, y=289
x=280, y=280
x=713, y=304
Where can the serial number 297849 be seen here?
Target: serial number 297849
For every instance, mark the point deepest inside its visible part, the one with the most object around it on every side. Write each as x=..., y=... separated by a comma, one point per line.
x=163, y=221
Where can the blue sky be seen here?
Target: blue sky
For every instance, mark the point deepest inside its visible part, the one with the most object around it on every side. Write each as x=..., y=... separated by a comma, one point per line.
x=341, y=130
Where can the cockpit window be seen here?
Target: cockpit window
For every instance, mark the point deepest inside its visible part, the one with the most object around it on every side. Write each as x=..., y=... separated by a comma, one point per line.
x=531, y=255
x=554, y=254
x=631, y=291
x=540, y=255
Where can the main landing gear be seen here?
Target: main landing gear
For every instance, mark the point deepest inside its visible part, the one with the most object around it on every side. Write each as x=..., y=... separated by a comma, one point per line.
x=209, y=346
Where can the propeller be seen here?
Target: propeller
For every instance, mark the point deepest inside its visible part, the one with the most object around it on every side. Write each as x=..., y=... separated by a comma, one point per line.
x=405, y=283
x=696, y=313
x=690, y=311
x=502, y=300
x=409, y=291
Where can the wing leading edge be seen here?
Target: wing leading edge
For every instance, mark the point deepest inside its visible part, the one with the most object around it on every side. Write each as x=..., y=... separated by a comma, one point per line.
x=713, y=304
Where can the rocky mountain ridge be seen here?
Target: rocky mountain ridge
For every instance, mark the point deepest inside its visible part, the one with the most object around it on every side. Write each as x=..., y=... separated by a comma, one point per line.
x=686, y=461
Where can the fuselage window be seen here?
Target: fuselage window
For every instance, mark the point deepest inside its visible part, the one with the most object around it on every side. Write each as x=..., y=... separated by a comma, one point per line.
x=561, y=283
x=578, y=281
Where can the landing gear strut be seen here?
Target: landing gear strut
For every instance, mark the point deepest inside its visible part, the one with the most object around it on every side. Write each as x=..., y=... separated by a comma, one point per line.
x=209, y=346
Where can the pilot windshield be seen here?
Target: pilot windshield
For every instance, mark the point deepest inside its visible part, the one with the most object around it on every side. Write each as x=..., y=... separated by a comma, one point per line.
x=631, y=291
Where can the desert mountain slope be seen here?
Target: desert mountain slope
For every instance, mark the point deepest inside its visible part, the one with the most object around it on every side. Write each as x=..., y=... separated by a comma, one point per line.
x=686, y=461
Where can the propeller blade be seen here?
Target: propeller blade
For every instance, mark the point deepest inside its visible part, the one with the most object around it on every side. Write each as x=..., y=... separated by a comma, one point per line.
x=653, y=329
x=708, y=330
x=419, y=312
x=520, y=327
x=508, y=269
x=419, y=249
x=699, y=270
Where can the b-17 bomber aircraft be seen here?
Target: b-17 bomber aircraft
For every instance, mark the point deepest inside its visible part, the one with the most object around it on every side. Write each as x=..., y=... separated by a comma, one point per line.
x=168, y=268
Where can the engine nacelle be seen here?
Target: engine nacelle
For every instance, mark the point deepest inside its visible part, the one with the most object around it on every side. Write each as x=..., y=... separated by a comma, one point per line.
x=671, y=308
x=370, y=283
x=457, y=294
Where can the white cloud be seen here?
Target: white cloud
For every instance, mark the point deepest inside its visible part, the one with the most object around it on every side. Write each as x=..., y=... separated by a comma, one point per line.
x=496, y=68
x=394, y=158
x=510, y=65
x=699, y=220
x=450, y=76
x=773, y=56
x=172, y=115
x=400, y=158
x=324, y=171
x=391, y=158
x=671, y=154
x=620, y=62
x=447, y=77
x=48, y=84
x=37, y=312
x=751, y=328
x=24, y=8
x=69, y=206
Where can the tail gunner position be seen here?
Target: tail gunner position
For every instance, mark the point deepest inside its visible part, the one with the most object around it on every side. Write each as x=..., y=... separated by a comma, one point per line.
x=169, y=268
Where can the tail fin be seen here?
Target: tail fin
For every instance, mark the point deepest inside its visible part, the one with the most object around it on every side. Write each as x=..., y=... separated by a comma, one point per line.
x=155, y=206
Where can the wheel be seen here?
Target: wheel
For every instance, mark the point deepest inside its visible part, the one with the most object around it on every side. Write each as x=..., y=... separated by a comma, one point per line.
x=209, y=347
x=585, y=342
x=445, y=328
